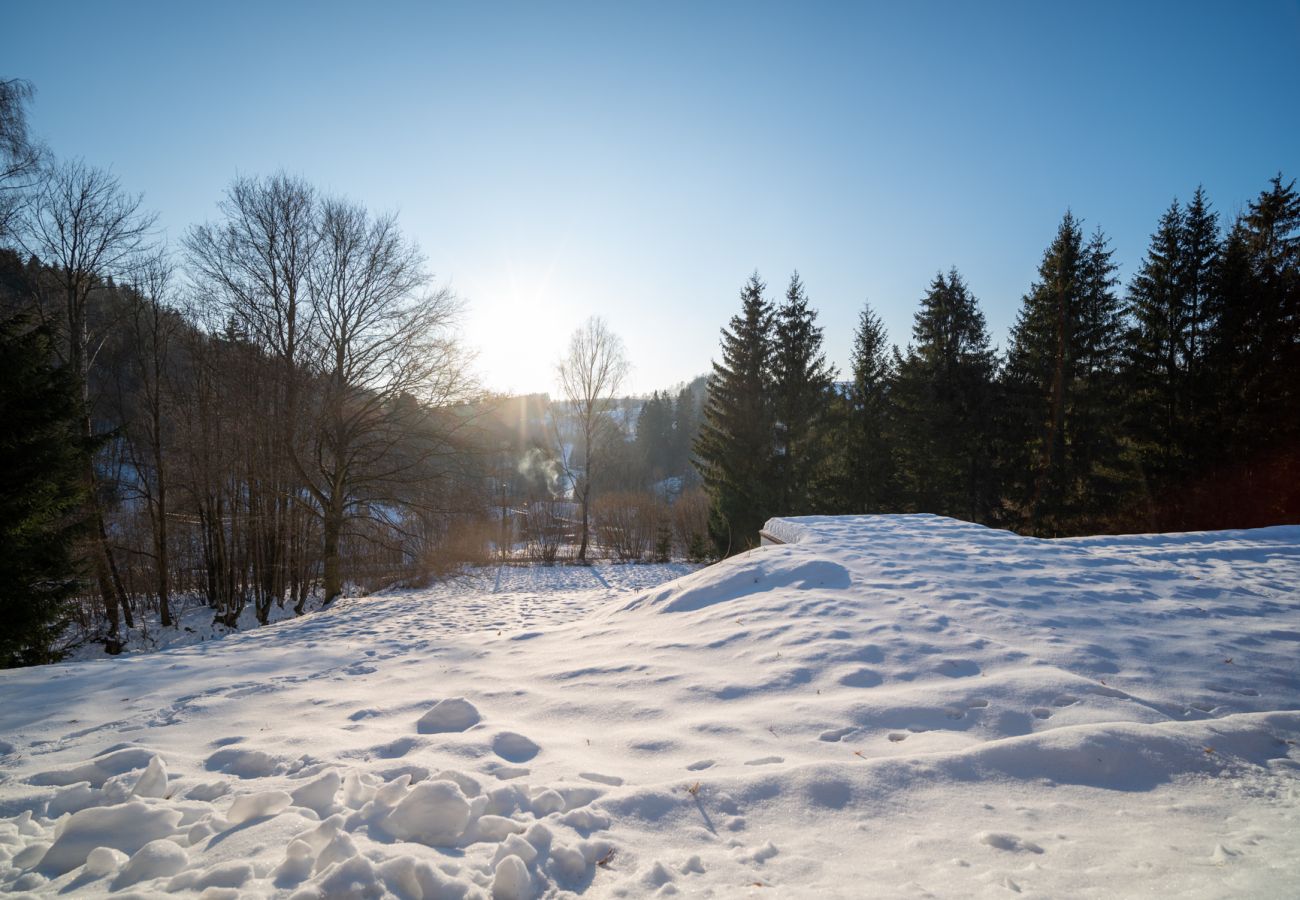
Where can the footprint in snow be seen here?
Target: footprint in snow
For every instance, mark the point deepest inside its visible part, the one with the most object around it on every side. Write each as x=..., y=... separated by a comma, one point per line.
x=765, y=761
x=897, y=737
x=514, y=747
x=958, y=668
x=611, y=780
x=1040, y=712
x=836, y=734
x=1001, y=840
x=700, y=765
x=506, y=773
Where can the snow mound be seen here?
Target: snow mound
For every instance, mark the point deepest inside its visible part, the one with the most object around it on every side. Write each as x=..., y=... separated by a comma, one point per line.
x=757, y=572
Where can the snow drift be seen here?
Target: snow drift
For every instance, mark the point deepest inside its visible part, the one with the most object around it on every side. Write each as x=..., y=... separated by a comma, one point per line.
x=896, y=704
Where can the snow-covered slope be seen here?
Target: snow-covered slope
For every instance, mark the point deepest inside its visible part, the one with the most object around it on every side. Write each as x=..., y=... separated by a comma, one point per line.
x=893, y=706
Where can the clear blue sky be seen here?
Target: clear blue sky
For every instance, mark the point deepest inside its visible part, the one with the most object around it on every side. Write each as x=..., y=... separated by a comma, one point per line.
x=638, y=161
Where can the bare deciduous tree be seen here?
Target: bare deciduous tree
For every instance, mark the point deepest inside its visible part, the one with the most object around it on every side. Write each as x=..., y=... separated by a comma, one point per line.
x=151, y=330
x=20, y=158
x=82, y=225
x=378, y=338
x=590, y=375
x=252, y=268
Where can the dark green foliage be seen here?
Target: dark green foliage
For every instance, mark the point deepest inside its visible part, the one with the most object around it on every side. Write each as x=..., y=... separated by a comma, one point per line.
x=1253, y=362
x=655, y=437
x=41, y=493
x=943, y=394
x=1065, y=469
x=1165, y=386
x=867, y=452
x=802, y=383
x=734, y=450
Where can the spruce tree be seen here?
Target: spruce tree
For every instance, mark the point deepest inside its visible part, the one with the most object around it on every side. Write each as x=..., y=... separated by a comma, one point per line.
x=944, y=397
x=41, y=493
x=1253, y=355
x=654, y=435
x=867, y=453
x=734, y=449
x=1165, y=385
x=1155, y=365
x=802, y=386
x=1066, y=468
x=686, y=424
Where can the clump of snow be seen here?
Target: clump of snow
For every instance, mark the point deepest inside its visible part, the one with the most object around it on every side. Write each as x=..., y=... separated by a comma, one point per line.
x=255, y=806
x=126, y=827
x=319, y=793
x=511, y=880
x=452, y=714
x=155, y=859
x=433, y=812
x=153, y=783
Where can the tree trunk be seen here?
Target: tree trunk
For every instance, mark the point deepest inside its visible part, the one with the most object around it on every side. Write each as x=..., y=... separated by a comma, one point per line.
x=332, y=526
x=586, y=495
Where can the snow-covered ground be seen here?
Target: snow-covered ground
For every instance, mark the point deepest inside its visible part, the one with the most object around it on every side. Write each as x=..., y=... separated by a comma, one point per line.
x=551, y=593
x=891, y=706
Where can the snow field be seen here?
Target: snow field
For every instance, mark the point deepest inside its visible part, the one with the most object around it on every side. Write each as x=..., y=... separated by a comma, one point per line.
x=898, y=706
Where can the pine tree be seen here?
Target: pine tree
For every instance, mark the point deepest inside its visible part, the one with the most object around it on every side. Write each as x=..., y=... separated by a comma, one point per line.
x=735, y=446
x=802, y=386
x=1063, y=387
x=41, y=493
x=944, y=396
x=867, y=453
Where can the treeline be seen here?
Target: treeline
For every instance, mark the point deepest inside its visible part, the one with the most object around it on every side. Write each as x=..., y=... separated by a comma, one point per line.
x=1172, y=405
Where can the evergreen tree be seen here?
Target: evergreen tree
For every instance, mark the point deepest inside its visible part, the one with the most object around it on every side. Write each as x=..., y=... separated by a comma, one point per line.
x=1253, y=355
x=802, y=388
x=734, y=449
x=654, y=438
x=1063, y=385
x=41, y=493
x=1164, y=382
x=686, y=425
x=867, y=468
x=944, y=397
